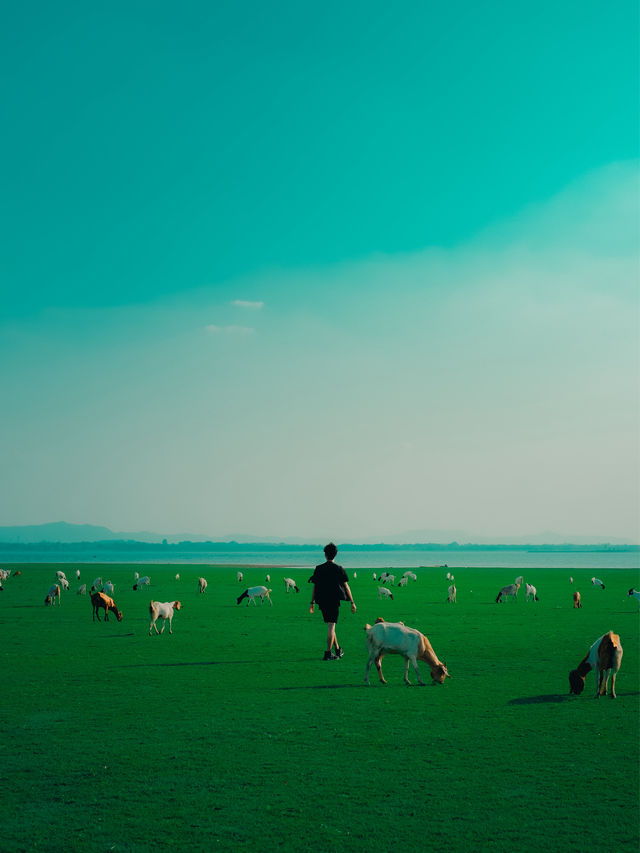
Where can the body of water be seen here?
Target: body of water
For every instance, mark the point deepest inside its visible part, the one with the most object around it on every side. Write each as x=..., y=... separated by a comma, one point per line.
x=350, y=559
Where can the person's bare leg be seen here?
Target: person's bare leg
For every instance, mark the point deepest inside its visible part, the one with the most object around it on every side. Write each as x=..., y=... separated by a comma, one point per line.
x=331, y=635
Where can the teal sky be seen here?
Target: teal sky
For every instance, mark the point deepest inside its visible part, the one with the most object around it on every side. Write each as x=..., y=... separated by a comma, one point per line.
x=321, y=270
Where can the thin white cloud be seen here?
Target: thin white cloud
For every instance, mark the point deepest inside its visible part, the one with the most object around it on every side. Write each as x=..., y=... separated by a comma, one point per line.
x=245, y=303
x=212, y=329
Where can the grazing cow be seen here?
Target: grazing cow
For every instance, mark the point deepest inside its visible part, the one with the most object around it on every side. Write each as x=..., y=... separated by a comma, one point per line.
x=202, y=585
x=452, y=594
x=577, y=604
x=396, y=639
x=82, y=589
x=254, y=592
x=386, y=577
x=403, y=581
x=145, y=581
x=510, y=590
x=383, y=591
x=96, y=586
x=100, y=600
x=604, y=658
x=289, y=583
x=531, y=591
x=597, y=582
x=410, y=575
x=52, y=595
x=164, y=611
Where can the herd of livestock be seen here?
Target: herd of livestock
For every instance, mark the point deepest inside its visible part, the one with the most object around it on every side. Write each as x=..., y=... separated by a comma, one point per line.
x=603, y=658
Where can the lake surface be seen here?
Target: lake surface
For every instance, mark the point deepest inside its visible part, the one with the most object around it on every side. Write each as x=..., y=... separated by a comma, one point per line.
x=350, y=559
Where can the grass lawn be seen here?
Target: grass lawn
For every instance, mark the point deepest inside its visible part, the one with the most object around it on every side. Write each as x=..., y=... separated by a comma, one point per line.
x=233, y=734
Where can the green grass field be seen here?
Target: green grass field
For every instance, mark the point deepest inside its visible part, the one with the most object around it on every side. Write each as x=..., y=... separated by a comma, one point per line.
x=233, y=734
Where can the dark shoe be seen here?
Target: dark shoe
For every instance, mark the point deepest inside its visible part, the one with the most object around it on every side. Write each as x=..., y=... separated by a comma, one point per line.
x=329, y=656
x=339, y=652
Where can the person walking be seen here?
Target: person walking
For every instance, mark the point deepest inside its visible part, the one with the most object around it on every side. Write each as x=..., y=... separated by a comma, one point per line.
x=330, y=586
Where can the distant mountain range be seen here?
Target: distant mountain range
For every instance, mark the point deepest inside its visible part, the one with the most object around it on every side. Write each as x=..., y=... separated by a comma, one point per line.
x=63, y=532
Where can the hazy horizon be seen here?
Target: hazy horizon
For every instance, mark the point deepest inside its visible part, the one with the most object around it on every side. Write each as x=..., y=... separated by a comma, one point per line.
x=283, y=272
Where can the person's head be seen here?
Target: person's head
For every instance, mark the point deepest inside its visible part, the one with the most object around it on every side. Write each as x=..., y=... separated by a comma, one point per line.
x=330, y=551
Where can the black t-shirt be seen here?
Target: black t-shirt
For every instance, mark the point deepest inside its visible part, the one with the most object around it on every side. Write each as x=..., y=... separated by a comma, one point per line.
x=328, y=577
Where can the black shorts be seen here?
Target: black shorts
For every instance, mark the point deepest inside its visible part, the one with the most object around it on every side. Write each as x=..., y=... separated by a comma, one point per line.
x=330, y=611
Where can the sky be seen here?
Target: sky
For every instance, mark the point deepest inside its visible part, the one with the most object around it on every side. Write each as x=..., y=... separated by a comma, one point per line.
x=325, y=271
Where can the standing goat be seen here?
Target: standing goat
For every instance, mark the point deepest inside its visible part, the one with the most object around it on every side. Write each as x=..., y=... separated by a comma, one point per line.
x=100, y=600
x=604, y=658
x=54, y=592
x=289, y=583
x=164, y=611
x=254, y=592
x=395, y=638
x=531, y=591
x=510, y=590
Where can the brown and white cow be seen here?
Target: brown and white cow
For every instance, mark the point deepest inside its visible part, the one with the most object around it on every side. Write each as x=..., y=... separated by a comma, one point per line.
x=604, y=658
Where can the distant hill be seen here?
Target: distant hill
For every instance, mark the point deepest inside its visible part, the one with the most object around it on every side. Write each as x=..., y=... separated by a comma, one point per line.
x=63, y=532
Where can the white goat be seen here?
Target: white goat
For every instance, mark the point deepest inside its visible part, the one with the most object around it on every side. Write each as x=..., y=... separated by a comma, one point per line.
x=82, y=590
x=597, y=582
x=77, y=574
x=145, y=581
x=202, y=584
x=411, y=575
x=268, y=578
x=452, y=594
x=108, y=588
x=240, y=577
x=254, y=592
x=395, y=638
x=385, y=577
x=54, y=592
x=510, y=590
x=531, y=591
x=289, y=583
x=604, y=658
x=96, y=586
x=64, y=583
x=162, y=610
x=60, y=576
x=402, y=581
x=384, y=592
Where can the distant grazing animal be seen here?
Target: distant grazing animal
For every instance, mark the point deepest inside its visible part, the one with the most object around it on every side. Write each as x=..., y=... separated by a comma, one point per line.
x=108, y=588
x=52, y=595
x=519, y=581
x=96, y=586
x=570, y=580
x=384, y=592
x=254, y=592
x=411, y=575
x=268, y=578
x=375, y=576
x=145, y=581
x=100, y=600
x=531, y=591
x=452, y=594
x=597, y=582
x=60, y=576
x=202, y=584
x=77, y=574
x=395, y=638
x=355, y=576
x=4, y=574
x=577, y=604
x=604, y=658
x=402, y=581
x=64, y=583
x=240, y=577
x=177, y=577
x=82, y=590
x=510, y=590
x=385, y=577
x=635, y=593
x=164, y=611
x=289, y=583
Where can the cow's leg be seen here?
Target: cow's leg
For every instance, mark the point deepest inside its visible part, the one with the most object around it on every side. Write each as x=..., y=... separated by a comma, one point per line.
x=170, y=628
x=406, y=671
x=379, y=668
x=613, y=683
x=415, y=666
x=366, y=672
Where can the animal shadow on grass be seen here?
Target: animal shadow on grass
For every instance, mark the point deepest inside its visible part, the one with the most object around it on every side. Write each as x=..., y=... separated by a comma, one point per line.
x=187, y=663
x=539, y=700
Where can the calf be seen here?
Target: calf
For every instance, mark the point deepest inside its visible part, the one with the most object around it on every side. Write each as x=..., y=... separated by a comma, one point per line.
x=604, y=657
x=254, y=592
x=164, y=611
x=52, y=595
x=577, y=604
x=396, y=639
x=100, y=600
x=289, y=583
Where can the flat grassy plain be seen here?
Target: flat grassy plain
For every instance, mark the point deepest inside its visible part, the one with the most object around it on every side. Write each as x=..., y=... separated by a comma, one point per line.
x=233, y=734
